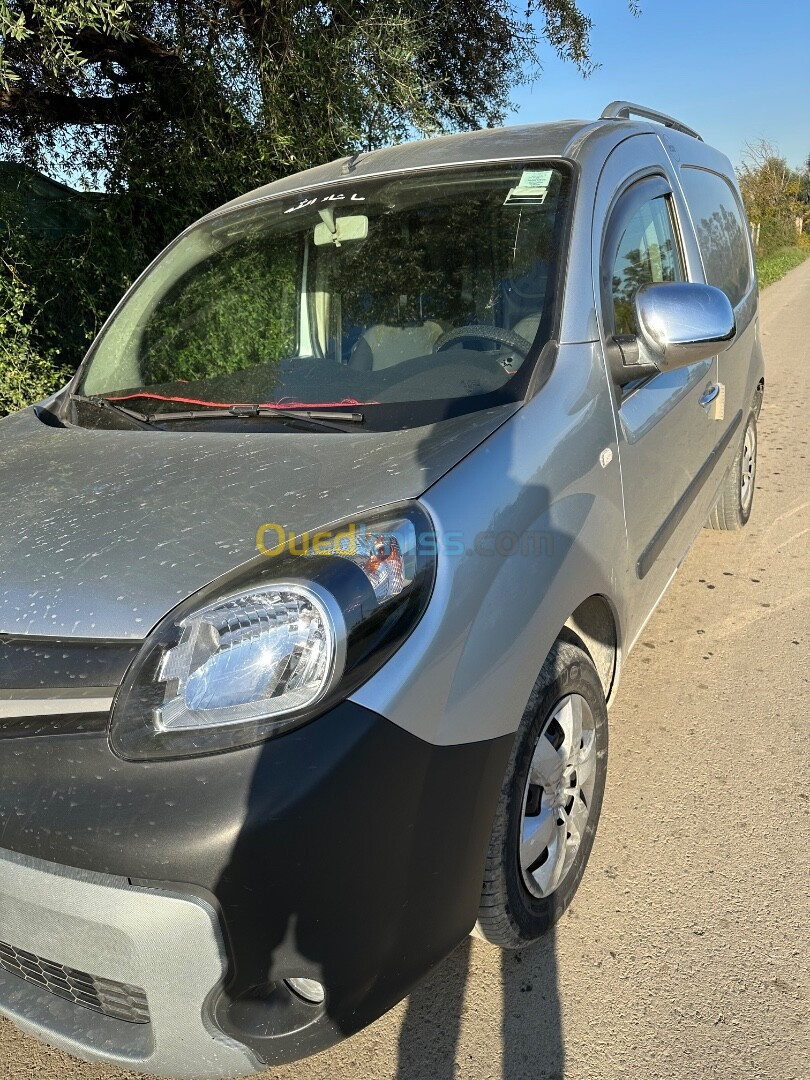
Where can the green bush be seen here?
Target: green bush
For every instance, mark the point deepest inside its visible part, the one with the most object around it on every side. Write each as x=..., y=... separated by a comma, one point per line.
x=231, y=311
x=27, y=373
x=57, y=284
x=775, y=233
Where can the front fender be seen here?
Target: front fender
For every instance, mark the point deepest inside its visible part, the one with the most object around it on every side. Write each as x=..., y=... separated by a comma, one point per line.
x=528, y=525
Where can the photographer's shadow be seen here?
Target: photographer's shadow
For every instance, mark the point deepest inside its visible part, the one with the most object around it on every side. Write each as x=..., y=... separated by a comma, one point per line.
x=529, y=1030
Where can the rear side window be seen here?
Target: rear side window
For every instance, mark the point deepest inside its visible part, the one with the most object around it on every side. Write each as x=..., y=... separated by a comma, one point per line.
x=721, y=231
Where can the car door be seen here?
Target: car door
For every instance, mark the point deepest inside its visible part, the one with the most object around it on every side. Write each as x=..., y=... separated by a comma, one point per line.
x=665, y=432
x=719, y=221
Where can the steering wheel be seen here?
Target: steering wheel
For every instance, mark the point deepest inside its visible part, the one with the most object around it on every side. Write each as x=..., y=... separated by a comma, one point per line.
x=498, y=334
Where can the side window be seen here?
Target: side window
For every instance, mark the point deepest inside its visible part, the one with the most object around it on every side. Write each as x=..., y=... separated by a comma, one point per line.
x=721, y=231
x=647, y=252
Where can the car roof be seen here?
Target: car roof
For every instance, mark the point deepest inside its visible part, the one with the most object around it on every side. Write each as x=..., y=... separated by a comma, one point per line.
x=518, y=142
x=573, y=140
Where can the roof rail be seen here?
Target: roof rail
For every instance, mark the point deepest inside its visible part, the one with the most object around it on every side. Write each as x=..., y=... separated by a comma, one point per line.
x=623, y=110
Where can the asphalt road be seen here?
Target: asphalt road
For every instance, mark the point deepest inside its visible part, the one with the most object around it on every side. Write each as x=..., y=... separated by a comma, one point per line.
x=686, y=951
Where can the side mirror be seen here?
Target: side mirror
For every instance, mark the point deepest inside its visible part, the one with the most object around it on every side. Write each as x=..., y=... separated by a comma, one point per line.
x=680, y=323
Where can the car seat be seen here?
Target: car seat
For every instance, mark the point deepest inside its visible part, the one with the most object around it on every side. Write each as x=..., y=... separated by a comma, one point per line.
x=383, y=345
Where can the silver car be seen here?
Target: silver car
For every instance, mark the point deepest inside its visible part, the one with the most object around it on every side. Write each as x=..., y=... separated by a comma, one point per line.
x=317, y=580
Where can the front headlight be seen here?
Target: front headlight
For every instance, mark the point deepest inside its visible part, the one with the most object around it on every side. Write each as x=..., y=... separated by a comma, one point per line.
x=276, y=643
x=270, y=650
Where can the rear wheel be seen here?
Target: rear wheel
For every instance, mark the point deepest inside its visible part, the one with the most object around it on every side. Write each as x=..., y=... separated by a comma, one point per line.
x=550, y=803
x=733, y=507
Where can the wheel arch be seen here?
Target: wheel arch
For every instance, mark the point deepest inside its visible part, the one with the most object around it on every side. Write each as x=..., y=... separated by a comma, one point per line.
x=593, y=626
x=759, y=394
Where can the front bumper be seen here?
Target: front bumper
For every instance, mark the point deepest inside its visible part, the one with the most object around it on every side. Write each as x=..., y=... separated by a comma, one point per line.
x=168, y=947
x=347, y=851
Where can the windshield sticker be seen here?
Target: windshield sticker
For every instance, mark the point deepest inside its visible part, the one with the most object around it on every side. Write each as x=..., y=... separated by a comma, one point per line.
x=533, y=187
x=335, y=197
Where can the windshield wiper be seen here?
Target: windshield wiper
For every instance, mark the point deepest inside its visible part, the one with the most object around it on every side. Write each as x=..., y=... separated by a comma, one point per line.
x=104, y=403
x=323, y=418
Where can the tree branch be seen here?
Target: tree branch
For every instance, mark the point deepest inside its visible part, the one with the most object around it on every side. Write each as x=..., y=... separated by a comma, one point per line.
x=138, y=50
x=250, y=14
x=60, y=109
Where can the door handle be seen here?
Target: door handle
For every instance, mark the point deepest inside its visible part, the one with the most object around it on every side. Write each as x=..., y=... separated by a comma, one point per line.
x=709, y=396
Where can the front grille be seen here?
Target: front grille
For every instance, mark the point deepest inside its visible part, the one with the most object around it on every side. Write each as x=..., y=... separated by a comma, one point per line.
x=22, y=727
x=114, y=999
x=50, y=663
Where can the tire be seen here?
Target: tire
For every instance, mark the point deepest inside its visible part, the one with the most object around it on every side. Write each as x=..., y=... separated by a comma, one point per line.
x=519, y=899
x=733, y=507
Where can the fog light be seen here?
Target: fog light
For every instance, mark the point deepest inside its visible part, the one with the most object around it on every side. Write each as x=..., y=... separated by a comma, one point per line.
x=308, y=989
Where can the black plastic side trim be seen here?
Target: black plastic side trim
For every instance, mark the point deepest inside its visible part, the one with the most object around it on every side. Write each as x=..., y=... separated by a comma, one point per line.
x=676, y=514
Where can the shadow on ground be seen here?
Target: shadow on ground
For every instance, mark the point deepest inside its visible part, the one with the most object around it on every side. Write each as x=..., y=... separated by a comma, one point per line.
x=531, y=1024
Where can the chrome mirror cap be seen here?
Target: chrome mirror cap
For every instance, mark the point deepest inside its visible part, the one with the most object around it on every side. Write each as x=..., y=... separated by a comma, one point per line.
x=681, y=323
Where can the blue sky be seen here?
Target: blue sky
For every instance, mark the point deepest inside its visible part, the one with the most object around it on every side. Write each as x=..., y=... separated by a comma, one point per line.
x=735, y=71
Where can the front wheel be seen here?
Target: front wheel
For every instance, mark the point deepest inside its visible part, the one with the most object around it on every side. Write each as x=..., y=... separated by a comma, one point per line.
x=550, y=803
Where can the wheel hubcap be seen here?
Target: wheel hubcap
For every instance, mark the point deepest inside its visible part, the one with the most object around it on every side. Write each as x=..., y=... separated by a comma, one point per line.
x=748, y=470
x=558, y=796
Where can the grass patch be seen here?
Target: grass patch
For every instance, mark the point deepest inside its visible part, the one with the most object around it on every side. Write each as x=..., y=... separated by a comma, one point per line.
x=772, y=267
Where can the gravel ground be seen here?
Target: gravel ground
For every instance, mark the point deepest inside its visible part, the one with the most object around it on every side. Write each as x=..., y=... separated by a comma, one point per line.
x=685, y=953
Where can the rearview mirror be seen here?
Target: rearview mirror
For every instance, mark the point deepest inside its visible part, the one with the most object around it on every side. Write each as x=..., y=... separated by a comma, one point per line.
x=337, y=230
x=682, y=322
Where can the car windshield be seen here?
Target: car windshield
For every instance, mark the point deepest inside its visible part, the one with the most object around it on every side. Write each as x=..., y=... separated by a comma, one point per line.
x=412, y=298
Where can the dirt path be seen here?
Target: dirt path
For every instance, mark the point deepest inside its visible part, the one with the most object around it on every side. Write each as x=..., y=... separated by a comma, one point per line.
x=686, y=952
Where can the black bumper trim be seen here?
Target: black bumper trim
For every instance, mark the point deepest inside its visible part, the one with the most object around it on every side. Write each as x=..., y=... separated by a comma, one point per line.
x=347, y=851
